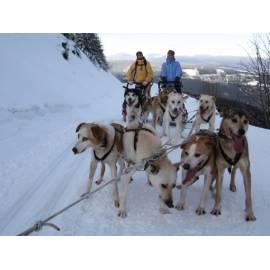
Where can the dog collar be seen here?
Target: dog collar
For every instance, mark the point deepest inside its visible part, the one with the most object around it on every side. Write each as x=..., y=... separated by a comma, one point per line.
x=173, y=117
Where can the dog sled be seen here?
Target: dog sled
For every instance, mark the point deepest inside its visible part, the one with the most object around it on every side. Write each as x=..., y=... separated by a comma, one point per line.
x=169, y=85
x=145, y=91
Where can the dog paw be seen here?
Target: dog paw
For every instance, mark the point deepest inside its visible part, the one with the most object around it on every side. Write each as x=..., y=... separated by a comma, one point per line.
x=116, y=204
x=250, y=217
x=233, y=188
x=180, y=206
x=99, y=181
x=200, y=211
x=122, y=213
x=216, y=212
x=164, y=211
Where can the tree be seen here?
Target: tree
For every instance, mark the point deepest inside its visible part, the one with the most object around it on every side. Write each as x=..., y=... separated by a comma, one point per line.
x=259, y=68
x=90, y=45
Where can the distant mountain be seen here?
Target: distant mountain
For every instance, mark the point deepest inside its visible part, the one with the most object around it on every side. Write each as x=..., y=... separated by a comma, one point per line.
x=231, y=61
x=120, y=57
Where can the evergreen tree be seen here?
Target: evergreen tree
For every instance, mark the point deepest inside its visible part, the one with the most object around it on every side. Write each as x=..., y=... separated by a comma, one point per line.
x=90, y=45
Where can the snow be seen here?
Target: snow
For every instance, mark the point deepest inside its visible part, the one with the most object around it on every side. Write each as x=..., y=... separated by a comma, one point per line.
x=191, y=71
x=43, y=99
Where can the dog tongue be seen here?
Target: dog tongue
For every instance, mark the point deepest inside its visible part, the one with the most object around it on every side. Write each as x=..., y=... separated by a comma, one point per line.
x=238, y=143
x=190, y=175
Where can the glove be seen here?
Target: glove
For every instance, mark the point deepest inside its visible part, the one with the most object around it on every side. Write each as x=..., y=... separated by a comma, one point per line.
x=177, y=79
x=130, y=82
x=163, y=79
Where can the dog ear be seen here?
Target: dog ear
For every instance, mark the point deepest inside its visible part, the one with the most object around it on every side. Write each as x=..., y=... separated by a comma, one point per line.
x=188, y=140
x=79, y=126
x=214, y=98
x=154, y=168
x=99, y=134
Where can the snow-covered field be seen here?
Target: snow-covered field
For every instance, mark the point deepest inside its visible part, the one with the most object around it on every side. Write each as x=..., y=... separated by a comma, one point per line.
x=43, y=99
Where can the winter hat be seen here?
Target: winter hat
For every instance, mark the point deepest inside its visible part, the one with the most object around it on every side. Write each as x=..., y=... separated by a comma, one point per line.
x=171, y=52
x=139, y=53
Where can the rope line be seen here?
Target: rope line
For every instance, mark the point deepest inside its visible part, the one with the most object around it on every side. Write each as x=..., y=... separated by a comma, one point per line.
x=140, y=166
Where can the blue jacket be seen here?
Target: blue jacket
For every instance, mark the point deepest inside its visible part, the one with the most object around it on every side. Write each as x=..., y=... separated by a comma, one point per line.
x=171, y=69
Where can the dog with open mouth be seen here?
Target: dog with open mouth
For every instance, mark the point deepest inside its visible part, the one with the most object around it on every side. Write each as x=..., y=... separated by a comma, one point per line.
x=175, y=112
x=105, y=142
x=232, y=153
x=206, y=113
x=198, y=157
x=133, y=99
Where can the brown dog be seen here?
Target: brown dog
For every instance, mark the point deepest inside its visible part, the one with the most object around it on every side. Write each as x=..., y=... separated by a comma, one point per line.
x=232, y=153
x=156, y=106
x=198, y=157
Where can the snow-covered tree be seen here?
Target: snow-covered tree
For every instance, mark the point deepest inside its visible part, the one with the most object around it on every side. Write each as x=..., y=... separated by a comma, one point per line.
x=90, y=45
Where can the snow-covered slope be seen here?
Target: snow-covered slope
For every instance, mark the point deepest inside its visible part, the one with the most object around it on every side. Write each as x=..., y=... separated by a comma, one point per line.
x=43, y=99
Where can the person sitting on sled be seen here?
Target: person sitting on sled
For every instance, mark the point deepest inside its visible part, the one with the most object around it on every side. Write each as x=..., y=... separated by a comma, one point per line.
x=171, y=72
x=139, y=73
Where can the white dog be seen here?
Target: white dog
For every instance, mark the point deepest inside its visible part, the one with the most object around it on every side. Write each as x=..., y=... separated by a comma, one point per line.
x=139, y=142
x=106, y=144
x=175, y=111
x=206, y=113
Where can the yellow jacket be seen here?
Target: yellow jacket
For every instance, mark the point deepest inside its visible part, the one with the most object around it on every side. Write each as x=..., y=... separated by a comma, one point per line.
x=142, y=73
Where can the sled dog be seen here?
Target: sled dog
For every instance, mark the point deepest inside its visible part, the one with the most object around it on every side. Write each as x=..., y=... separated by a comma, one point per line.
x=156, y=106
x=232, y=153
x=175, y=111
x=141, y=141
x=206, y=113
x=198, y=157
x=133, y=100
x=105, y=141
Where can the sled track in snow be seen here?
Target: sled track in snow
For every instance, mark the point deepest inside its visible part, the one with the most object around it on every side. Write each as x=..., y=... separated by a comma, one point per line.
x=39, y=183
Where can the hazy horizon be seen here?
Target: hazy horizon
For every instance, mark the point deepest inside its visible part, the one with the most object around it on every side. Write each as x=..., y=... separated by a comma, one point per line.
x=219, y=44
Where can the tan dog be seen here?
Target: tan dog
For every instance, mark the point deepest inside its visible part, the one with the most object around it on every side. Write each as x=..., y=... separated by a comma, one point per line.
x=106, y=144
x=141, y=141
x=175, y=112
x=206, y=113
x=156, y=106
x=232, y=152
x=198, y=157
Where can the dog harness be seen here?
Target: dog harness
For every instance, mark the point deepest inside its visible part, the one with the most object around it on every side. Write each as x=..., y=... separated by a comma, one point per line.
x=208, y=119
x=110, y=150
x=161, y=107
x=137, y=130
x=236, y=158
x=104, y=156
x=173, y=117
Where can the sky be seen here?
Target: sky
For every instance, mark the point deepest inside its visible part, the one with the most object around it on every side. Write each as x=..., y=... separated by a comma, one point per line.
x=234, y=44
